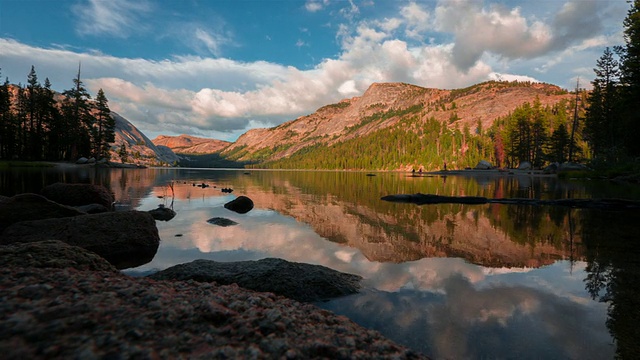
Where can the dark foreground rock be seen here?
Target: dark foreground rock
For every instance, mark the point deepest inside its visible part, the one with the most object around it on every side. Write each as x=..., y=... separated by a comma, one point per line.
x=23, y=207
x=125, y=239
x=78, y=194
x=298, y=281
x=72, y=314
x=52, y=254
x=241, y=205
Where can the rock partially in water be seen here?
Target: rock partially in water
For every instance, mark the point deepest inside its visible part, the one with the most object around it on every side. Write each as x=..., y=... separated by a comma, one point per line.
x=551, y=168
x=220, y=221
x=241, y=205
x=568, y=166
x=483, y=165
x=24, y=207
x=298, y=281
x=52, y=254
x=525, y=165
x=78, y=194
x=125, y=239
x=162, y=213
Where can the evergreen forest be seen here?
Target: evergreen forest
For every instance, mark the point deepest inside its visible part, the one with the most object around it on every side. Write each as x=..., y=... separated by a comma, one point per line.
x=38, y=124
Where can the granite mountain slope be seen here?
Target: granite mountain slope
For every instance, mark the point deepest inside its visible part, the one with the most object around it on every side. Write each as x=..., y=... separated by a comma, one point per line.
x=383, y=105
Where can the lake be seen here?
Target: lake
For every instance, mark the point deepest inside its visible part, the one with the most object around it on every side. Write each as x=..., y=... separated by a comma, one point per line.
x=448, y=280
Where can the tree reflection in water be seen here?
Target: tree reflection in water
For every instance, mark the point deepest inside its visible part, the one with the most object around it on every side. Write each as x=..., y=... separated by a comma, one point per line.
x=613, y=267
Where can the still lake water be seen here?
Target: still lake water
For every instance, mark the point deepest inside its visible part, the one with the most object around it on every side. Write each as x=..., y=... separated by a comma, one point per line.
x=450, y=281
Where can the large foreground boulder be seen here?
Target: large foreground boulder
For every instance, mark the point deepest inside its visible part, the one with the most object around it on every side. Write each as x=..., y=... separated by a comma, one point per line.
x=241, y=205
x=71, y=314
x=125, y=239
x=51, y=254
x=23, y=207
x=78, y=194
x=298, y=281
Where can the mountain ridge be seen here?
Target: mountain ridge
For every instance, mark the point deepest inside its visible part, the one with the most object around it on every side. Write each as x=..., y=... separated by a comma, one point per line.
x=386, y=105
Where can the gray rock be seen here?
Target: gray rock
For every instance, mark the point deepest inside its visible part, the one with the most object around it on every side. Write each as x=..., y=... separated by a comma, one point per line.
x=525, y=165
x=483, y=165
x=82, y=160
x=572, y=167
x=298, y=281
x=551, y=168
x=125, y=239
x=221, y=221
x=78, y=194
x=52, y=254
x=24, y=207
x=241, y=205
x=162, y=213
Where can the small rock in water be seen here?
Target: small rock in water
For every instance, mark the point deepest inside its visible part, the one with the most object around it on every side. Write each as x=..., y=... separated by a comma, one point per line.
x=162, y=213
x=221, y=221
x=241, y=205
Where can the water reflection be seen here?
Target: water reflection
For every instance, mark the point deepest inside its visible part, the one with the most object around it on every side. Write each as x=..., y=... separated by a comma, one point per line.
x=451, y=280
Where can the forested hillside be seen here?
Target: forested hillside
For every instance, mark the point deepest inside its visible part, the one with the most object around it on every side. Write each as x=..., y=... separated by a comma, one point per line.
x=403, y=127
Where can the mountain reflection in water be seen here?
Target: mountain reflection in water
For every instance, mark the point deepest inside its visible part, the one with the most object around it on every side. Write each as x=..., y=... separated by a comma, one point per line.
x=449, y=280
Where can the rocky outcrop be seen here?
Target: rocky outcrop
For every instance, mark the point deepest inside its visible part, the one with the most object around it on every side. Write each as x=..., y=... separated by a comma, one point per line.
x=125, y=239
x=241, y=205
x=52, y=254
x=24, y=207
x=186, y=144
x=138, y=143
x=298, y=281
x=71, y=314
x=78, y=194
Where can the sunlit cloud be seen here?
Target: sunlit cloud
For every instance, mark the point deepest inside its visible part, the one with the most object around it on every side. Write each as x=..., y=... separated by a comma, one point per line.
x=476, y=41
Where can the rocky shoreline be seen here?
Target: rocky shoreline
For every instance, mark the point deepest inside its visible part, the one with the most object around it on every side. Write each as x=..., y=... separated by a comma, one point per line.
x=61, y=299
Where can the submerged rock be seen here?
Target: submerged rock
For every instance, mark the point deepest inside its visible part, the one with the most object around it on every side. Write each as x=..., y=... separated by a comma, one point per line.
x=125, y=239
x=221, y=221
x=298, y=281
x=241, y=205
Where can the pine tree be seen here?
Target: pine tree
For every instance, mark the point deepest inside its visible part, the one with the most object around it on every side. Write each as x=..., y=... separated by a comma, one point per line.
x=630, y=78
x=122, y=153
x=7, y=133
x=603, y=121
x=78, y=118
x=105, y=126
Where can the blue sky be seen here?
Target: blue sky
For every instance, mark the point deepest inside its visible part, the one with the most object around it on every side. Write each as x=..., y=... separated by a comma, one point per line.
x=218, y=68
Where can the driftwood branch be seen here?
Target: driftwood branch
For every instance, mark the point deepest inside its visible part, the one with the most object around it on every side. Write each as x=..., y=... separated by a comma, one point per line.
x=425, y=199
